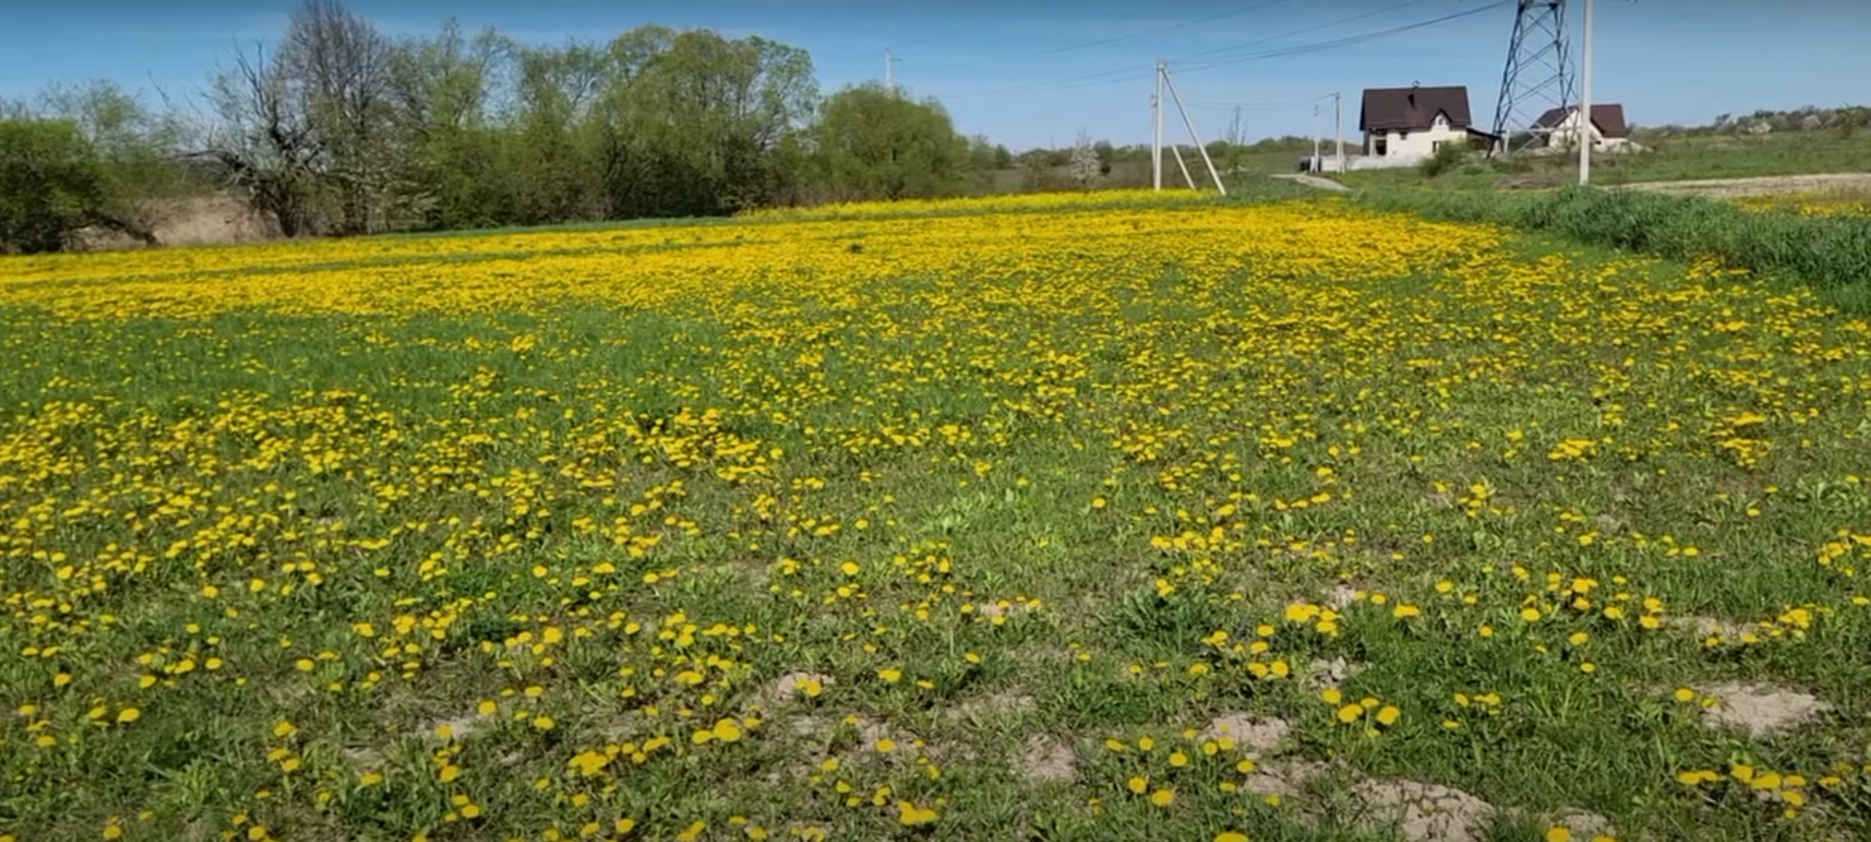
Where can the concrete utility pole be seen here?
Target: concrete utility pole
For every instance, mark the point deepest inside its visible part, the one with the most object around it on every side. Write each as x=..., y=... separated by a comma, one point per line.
x=1338, y=118
x=1317, y=131
x=1176, y=150
x=1190, y=125
x=1156, y=132
x=1585, y=104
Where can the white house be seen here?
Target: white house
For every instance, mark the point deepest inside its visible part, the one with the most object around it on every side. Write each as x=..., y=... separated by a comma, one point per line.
x=1406, y=125
x=1608, y=130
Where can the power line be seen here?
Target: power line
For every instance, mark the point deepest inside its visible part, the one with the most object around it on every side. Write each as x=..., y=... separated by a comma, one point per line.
x=1103, y=42
x=1344, y=42
x=1107, y=77
x=1304, y=30
x=1257, y=106
x=1132, y=74
x=927, y=39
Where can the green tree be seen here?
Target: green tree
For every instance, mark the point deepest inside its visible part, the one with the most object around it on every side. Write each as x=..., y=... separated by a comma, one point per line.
x=698, y=124
x=134, y=147
x=51, y=184
x=874, y=143
x=440, y=88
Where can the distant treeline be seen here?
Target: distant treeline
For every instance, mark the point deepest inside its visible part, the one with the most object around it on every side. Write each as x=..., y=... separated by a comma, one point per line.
x=1846, y=120
x=343, y=129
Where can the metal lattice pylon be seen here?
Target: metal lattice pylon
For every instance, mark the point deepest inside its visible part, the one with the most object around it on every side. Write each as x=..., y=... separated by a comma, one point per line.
x=1538, y=76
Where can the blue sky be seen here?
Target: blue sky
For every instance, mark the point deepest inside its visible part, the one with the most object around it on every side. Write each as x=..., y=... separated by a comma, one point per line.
x=1036, y=72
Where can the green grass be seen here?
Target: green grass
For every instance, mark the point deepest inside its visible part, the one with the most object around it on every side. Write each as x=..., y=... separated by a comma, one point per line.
x=1668, y=159
x=1832, y=254
x=1036, y=492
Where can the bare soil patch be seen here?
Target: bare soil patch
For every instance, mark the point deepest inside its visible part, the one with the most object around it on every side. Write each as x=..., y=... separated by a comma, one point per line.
x=1759, y=709
x=1423, y=812
x=1249, y=732
x=1046, y=760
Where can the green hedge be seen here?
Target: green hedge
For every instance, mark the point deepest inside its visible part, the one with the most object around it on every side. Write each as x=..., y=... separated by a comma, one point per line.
x=1831, y=253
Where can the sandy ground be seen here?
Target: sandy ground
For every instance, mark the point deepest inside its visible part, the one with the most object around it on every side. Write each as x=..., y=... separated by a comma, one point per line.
x=194, y=221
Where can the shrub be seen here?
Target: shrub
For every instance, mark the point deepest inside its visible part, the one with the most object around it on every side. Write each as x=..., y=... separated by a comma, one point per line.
x=1447, y=157
x=50, y=184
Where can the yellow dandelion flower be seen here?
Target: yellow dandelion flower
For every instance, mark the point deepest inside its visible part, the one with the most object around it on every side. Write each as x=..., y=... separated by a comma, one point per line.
x=910, y=815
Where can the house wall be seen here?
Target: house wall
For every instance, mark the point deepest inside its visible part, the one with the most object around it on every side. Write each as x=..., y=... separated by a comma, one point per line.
x=1566, y=134
x=1415, y=144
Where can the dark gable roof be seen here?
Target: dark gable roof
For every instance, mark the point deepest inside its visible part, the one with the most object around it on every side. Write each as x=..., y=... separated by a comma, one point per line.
x=1387, y=109
x=1608, y=117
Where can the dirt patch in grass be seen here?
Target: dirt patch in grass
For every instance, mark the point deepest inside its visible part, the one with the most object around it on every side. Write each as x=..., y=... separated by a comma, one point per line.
x=1716, y=627
x=1249, y=732
x=1285, y=778
x=989, y=706
x=793, y=686
x=1761, y=710
x=1584, y=825
x=1046, y=760
x=1322, y=674
x=1422, y=812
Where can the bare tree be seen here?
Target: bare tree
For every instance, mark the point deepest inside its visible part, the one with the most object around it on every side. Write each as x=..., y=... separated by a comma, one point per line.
x=308, y=131
x=337, y=65
x=264, y=142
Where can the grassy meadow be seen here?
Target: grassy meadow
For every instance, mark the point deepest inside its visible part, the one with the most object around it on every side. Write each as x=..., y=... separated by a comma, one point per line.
x=1083, y=517
x=1678, y=158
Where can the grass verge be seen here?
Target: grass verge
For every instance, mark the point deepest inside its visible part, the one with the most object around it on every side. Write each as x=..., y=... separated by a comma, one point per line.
x=1833, y=254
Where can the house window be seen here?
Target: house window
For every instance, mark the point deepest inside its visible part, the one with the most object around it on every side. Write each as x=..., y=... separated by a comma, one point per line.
x=1403, y=134
x=1436, y=145
x=1380, y=147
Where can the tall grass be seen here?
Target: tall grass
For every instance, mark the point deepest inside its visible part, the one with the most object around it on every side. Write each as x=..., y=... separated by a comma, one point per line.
x=1832, y=254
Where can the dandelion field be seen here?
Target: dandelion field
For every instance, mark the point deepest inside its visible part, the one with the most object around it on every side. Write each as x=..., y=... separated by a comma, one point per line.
x=1071, y=518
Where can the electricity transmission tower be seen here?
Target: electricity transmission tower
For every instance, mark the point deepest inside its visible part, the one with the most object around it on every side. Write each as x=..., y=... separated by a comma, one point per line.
x=1538, y=76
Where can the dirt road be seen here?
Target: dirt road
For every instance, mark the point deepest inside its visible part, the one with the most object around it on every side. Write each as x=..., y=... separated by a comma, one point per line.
x=1727, y=188
x=1312, y=181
